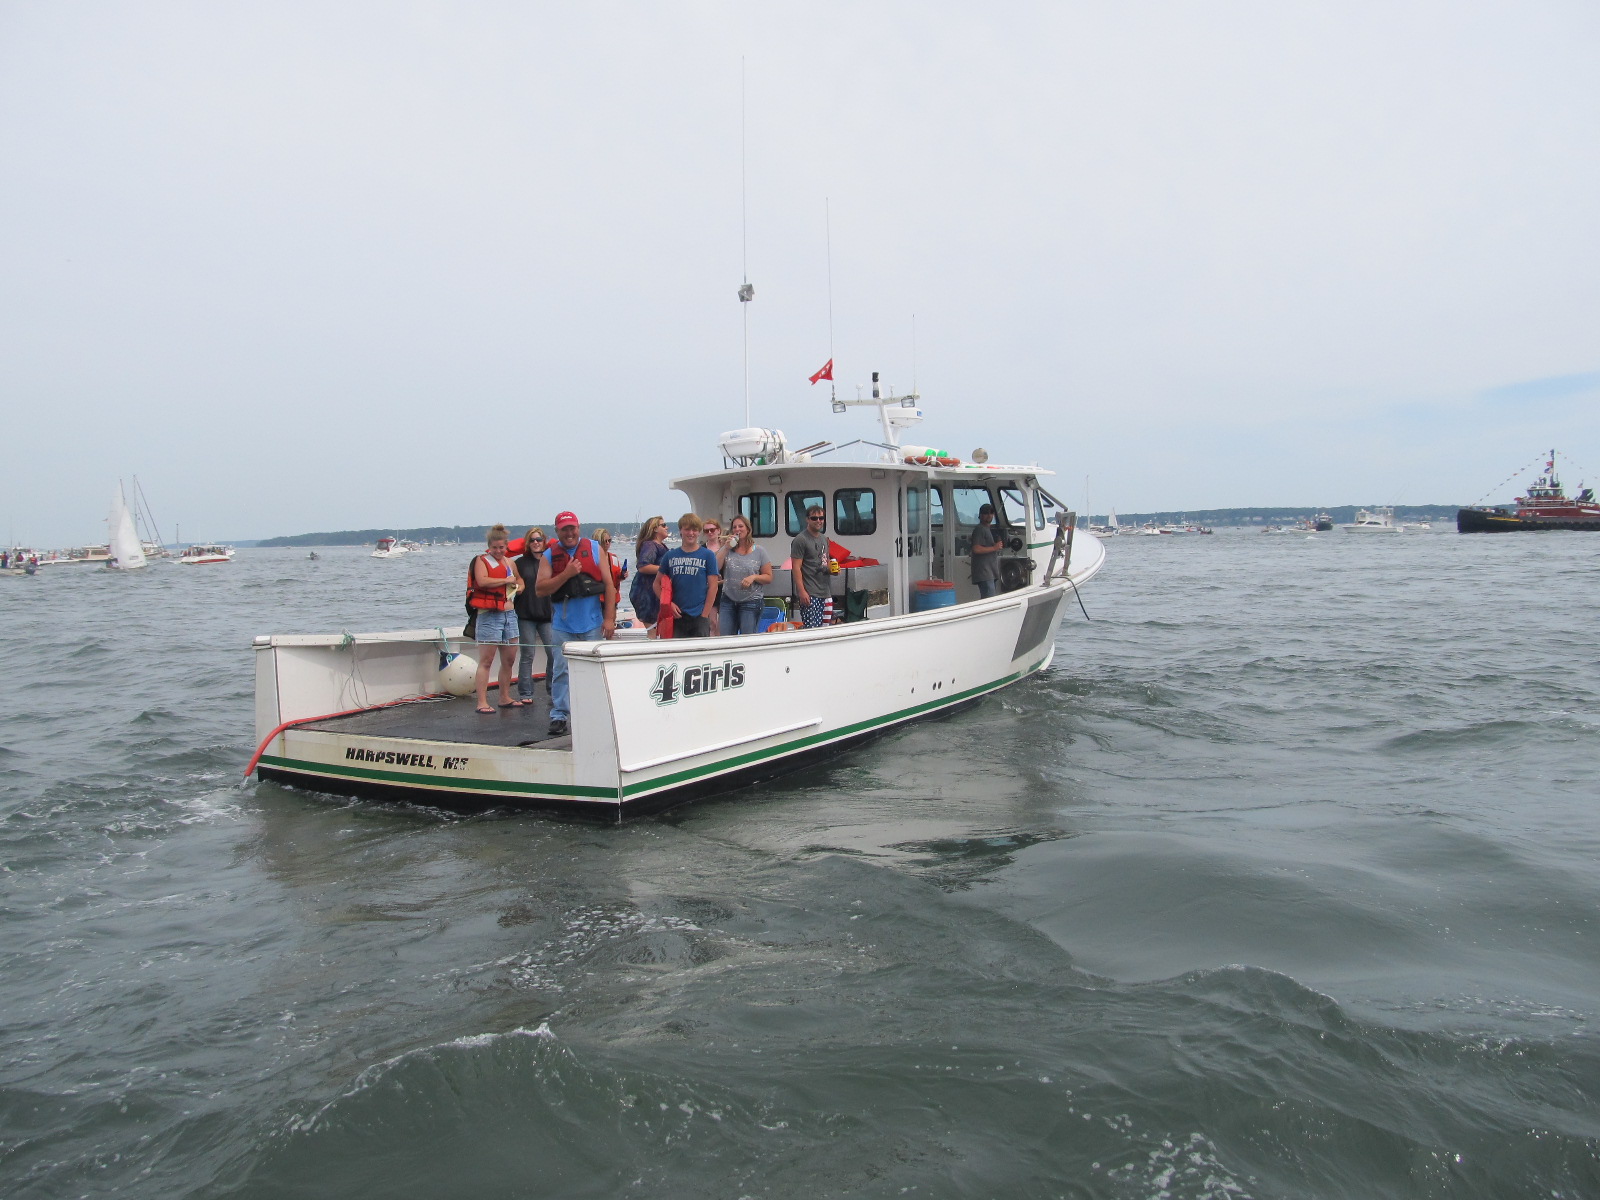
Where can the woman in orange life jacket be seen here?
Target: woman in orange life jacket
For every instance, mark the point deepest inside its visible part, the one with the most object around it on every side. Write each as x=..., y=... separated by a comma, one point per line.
x=492, y=589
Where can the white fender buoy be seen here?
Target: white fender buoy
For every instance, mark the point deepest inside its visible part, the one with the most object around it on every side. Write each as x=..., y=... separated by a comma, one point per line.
x=458, y=676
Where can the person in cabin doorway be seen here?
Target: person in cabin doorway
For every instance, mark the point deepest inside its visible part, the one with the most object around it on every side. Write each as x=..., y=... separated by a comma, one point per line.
x=491, y=590
x=575, y=577
x=746, y=570
x=693, y=571
x=808, y=555
x=986, y=546
x=649, y=550
x=533, y=616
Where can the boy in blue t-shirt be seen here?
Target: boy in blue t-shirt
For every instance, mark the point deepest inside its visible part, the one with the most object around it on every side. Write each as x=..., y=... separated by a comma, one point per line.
x=693, y=571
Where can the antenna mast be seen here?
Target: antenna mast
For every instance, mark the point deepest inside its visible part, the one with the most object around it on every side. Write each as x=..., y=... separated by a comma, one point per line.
x=746, y=292
x=827, y=226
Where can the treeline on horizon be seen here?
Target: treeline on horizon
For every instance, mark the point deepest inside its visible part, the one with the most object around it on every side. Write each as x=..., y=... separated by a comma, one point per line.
x=1342, y=514
x=471, y=535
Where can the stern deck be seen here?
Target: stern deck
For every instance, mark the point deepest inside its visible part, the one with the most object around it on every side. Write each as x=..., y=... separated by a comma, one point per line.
x=454, y=720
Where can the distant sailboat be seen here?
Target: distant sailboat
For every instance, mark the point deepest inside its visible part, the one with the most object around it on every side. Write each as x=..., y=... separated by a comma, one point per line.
x=126, y=552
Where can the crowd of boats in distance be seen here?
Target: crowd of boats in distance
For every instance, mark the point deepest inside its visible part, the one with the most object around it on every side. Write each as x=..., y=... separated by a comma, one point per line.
x=133, y=542
x=1378, y=519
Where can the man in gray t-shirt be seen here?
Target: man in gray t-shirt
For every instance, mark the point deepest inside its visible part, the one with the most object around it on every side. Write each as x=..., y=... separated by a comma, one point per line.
x=986, y=546
x=809, y=560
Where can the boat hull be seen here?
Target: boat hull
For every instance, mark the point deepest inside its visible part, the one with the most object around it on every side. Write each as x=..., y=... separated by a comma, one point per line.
x=654, y=723
x=1488, y=520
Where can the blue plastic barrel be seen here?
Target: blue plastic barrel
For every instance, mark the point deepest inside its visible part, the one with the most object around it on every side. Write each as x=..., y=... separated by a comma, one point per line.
x=932, y=593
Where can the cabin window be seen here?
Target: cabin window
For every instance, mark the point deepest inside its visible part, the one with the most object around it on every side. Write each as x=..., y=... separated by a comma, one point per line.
x=936, y=507
x=968, y=499
x=1013, y=508
x=1038, y=509
x=855, y=512
x=795, y=505
x=1047, y=507
x=761, y=510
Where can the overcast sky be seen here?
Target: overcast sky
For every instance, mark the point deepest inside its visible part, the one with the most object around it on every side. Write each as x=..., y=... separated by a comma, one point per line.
x=339, y=265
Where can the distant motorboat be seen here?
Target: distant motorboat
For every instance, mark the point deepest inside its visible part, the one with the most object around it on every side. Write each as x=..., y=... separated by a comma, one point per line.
x=196, y=556
x=1322, y=523
x=389, y=547
x=1374, y=520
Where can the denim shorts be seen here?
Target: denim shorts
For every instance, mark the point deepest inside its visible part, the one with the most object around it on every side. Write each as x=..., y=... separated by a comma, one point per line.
x=497, y=627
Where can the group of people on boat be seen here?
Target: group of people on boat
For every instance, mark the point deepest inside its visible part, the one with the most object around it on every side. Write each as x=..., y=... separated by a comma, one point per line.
x=10, y=559
x=567, y=588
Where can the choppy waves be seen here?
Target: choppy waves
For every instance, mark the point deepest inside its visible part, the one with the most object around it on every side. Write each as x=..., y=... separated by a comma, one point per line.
x=1278, y=884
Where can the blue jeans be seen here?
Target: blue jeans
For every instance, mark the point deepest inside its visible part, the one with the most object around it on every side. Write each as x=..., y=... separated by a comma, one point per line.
x=534, y=633
x=740, y=616
x=986, y=588
x=560, y=691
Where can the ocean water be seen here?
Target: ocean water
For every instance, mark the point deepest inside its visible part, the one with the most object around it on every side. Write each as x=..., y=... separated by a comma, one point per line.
x=1281, y=882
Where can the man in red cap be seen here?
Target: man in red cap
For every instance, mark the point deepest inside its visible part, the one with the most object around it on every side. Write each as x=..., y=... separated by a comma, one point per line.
x=576, y=576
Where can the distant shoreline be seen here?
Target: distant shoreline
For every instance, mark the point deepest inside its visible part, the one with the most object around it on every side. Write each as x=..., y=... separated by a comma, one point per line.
x=465, y=534
x=1342, y=514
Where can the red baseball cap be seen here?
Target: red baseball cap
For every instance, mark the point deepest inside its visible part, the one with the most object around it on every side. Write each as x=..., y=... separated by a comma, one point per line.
x=566, y=518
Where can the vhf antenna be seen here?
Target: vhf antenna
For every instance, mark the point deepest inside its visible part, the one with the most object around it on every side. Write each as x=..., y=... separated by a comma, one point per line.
x=747, y=293
x=827, y=225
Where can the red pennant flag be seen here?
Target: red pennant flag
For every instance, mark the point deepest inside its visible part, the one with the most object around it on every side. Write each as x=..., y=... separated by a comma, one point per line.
x=825, y=373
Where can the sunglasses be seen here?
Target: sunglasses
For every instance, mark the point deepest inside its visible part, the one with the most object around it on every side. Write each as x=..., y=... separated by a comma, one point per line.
x=813, y=518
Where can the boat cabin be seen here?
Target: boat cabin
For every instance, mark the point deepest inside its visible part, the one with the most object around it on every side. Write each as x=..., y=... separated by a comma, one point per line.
x=915, y=520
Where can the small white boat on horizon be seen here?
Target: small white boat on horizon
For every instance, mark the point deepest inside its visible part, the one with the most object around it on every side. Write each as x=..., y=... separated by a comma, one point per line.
x=202, y=555
x=1374, y=520
x=391, y=547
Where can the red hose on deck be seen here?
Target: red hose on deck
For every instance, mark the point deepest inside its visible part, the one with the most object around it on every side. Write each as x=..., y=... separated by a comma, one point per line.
x=349, y=712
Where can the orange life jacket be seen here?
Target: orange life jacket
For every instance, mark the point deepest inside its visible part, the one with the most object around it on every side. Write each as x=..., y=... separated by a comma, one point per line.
x=588, y=582
x=585, y=556
x=489, y=599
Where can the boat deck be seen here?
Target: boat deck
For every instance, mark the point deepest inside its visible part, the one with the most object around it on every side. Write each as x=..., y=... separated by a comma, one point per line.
x=455, y=720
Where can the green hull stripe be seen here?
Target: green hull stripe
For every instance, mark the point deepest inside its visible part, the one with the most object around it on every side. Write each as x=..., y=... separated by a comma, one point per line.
x=566, y=791
x=561, y=790
x=815, y=739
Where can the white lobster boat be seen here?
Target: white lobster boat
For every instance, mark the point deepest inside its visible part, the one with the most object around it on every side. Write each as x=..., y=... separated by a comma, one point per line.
x=656, y=722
